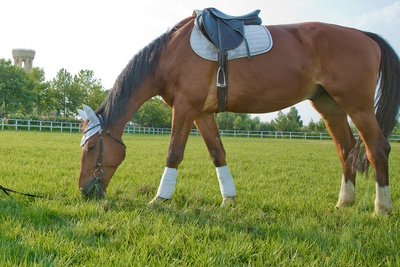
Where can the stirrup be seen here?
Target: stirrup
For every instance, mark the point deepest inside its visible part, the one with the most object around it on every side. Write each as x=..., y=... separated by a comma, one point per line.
x=223, y=84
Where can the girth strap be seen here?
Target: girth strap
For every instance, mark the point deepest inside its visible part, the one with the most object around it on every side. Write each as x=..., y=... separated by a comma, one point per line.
x=226, y=33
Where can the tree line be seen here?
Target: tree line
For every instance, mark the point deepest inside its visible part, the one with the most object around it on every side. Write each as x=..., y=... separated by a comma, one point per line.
x=28, y=95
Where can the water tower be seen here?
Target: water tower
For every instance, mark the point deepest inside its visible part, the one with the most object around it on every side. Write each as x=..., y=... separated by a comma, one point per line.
x=23, y=58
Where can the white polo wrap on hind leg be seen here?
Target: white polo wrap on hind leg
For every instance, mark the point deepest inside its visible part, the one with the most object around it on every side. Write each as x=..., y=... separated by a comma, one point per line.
x=226, y=184
x=167, y=184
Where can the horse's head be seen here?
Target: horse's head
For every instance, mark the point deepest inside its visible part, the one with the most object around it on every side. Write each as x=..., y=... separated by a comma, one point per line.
x=102, y=153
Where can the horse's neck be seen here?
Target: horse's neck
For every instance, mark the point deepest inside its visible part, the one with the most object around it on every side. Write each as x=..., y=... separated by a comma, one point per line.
x=138, y=98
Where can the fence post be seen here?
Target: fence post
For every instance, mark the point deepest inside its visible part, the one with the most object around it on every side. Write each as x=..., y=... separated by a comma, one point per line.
x=2, y=124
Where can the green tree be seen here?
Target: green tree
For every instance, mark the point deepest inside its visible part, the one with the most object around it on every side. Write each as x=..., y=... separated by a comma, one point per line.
x=88, y=89
x=290, y=122
x=320, y=126
x=243, y=122
x=61, y=87
x=294, y=119
x=43, y=99
x=238, y=123
x=281, y=122
x=15, y=93
x=311, y=126
x=265, y=126
x=255, y=122
x=316, y=126
x=225, y=120
x=153, y=113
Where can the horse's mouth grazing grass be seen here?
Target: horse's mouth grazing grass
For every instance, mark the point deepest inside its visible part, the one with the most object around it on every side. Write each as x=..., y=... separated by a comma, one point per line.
x=94, y=191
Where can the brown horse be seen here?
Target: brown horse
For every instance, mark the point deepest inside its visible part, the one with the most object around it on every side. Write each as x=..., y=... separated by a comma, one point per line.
x=340, y=70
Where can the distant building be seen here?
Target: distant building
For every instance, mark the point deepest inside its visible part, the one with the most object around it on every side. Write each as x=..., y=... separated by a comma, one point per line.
x=23, y=58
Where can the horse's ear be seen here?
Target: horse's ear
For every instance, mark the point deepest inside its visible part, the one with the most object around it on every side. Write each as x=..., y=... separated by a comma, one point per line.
x=83, y=114
x=90, y=114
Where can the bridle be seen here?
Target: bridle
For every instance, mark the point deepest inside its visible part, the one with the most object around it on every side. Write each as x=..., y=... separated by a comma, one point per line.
x=98, y=173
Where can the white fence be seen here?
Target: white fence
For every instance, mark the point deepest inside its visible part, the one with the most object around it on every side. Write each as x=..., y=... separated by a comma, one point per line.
x=42, y=126
x=52, y=126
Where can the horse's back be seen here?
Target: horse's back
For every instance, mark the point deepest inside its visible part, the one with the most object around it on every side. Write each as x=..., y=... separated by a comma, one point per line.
x=325, y=40
x=303, y=57
x=343, y=58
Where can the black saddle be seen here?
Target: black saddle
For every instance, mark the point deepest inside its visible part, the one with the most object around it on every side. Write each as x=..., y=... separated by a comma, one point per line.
x=226, y=32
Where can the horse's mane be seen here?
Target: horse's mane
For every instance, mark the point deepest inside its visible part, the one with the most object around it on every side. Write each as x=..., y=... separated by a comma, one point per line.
x=143, y=64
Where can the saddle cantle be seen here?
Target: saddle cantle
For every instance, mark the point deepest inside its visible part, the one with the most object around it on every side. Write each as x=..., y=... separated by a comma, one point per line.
x=226, y=32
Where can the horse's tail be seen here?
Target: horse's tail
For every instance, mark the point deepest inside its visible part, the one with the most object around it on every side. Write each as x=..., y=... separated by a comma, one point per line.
x=387, y=101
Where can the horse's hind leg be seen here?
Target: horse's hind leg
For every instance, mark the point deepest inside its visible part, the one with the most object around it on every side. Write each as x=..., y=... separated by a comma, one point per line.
x=377, y=148
x=336, y=122
x=377, y=151
x=207, y=126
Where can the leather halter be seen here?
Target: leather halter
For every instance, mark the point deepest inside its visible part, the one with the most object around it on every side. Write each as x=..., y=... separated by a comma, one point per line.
x=98, y=173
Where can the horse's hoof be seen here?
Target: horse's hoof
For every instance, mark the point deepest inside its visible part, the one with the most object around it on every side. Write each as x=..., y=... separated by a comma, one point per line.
x=342, y=204
x=382, y=211
x=228, y=201
x=158, y=200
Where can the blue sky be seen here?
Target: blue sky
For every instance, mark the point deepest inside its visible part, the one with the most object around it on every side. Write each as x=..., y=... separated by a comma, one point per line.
x=104, y=35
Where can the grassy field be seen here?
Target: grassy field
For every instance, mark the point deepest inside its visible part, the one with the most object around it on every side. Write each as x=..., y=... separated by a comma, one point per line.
x=284, y=215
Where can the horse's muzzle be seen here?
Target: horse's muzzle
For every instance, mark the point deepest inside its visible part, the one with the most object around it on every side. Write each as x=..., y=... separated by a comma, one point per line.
x=95, y=190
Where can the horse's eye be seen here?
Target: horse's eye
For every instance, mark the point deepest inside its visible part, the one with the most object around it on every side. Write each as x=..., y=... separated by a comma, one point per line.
x=91, y=146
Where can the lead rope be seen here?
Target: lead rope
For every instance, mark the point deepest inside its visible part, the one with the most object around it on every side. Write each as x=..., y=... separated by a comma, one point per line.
x=8, y=190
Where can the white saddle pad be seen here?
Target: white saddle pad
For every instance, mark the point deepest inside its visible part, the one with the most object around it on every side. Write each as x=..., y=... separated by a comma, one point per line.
x=258, y=37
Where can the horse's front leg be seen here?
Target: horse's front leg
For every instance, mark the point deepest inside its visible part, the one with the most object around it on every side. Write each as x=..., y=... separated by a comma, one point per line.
x=181, y=126
x=207, y=126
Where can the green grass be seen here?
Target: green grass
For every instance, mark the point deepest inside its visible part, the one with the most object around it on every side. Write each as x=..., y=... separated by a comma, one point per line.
x=284, y=215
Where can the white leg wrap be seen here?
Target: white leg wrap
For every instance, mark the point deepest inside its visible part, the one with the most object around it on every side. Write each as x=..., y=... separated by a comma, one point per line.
x=383, y=203
x=167, y=184
x=226, y=183
x=347, y=192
